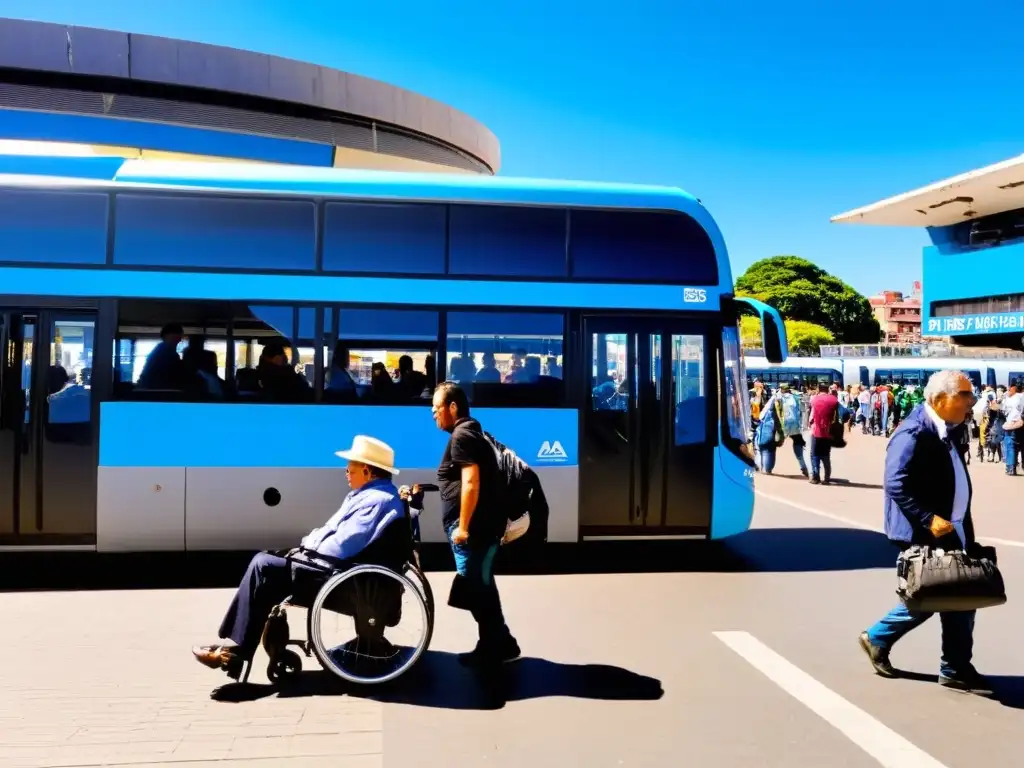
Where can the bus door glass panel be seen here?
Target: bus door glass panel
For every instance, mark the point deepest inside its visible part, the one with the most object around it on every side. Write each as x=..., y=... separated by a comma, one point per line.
x=27, y=443
x=12, y=412
x=65, y=503
x=610, y=432
x=653, y=421
x=689, y=470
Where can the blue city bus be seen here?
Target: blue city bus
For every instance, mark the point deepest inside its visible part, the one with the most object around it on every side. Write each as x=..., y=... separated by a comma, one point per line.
x=593, y=326
x=799, y=372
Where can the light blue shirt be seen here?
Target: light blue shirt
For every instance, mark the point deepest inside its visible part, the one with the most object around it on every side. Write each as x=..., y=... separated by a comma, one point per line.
x=961, y=492
x=362, y=518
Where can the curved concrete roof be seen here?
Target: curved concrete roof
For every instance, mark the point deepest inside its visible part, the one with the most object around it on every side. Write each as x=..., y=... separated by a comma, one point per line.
x=984, y=191
x=143, y=59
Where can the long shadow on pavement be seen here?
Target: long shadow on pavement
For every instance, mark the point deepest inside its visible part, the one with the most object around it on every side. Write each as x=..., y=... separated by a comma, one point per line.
x=839, y=481
x=440, y=682
x=1008, y=690
x=788, y=550
x=806, y=550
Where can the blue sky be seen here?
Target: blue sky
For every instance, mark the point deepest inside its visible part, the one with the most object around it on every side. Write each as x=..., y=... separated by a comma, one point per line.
x=777, y=121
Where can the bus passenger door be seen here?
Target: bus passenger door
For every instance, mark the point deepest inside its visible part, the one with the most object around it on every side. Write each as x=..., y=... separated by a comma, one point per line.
x=690, y=411
x=645, y=459
x=47, y=435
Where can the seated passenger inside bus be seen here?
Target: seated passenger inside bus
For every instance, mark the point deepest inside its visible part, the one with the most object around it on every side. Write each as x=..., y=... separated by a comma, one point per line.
x=164, y=368
x=280, y=381
x=370, y=527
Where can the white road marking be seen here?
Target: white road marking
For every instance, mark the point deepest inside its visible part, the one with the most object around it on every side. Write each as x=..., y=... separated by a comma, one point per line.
x=876, y=739
x=855, y=524
x=1003, y=542
x=804, y=508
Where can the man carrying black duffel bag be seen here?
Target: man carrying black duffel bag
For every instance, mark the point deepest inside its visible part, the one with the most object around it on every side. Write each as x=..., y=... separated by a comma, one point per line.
x=928, y=503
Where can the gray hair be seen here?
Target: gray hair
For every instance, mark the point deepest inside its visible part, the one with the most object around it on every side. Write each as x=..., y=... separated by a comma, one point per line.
x=943, y=382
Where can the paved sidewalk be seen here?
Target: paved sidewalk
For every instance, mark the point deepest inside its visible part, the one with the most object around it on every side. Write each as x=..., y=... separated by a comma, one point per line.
x=106, y=678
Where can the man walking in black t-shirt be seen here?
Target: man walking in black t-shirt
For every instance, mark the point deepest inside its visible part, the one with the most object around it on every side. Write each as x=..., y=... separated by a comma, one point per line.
x=470, y=481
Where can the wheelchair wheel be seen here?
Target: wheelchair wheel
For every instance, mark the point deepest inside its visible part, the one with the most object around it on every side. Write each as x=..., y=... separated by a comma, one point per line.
x=368, y=601
x=284, y=667
x=428, y=596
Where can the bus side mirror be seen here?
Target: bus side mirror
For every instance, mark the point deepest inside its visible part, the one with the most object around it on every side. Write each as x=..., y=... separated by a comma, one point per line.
x=773, y=330
x=774, y=342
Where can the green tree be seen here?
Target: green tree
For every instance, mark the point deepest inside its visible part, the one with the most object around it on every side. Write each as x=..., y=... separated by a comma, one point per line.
x=804, y=338
x=801, y=290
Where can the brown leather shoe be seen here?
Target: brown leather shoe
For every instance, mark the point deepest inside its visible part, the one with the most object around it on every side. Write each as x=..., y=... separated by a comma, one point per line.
x=214, y=656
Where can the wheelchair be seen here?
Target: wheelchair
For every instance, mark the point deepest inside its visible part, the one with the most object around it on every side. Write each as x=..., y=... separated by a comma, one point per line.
x=371, y=595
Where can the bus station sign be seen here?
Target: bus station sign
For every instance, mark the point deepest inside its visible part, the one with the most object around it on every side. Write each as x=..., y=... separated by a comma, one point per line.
x=994, y=322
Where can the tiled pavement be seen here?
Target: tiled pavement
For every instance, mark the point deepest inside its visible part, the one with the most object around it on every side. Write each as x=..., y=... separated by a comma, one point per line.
x=105, y=678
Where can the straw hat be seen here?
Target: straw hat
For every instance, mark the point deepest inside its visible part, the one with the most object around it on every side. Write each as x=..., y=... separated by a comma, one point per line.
x=370, y=450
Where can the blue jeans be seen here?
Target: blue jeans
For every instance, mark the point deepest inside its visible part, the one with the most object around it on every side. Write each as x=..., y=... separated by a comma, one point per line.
x=768, y=458
x=957, y=635
x=1010, y=450
x=475, y=563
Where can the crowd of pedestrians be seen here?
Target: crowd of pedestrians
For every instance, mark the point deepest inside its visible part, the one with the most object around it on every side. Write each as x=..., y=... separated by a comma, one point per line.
x=787, y=414
x=991, y=433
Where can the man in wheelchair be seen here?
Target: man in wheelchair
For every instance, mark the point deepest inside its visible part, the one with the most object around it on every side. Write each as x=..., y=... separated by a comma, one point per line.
x=370, y=527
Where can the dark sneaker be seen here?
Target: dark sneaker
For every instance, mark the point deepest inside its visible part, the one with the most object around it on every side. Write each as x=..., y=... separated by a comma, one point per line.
x=879, y=658
x=804, y=472
x=970, y=682
x=815, y=480
x=510, y=652
x=485, y=656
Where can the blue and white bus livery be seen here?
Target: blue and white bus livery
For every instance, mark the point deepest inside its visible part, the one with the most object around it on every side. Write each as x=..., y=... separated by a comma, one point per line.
x=593, y=324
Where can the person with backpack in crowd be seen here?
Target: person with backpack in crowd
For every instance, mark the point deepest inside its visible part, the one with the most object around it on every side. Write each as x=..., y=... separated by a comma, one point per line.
x=475, y=518
x=786, y=408
x=769, y=435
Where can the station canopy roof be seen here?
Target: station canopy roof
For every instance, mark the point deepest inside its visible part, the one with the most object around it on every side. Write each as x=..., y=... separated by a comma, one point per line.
x=982, y=192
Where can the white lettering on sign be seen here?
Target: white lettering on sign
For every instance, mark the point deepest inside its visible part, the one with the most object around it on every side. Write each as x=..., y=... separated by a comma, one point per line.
x=695, y=295
x=998, y=322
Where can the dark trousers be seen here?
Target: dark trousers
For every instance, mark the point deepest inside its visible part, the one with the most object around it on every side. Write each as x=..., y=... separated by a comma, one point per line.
x=268, y=580
x=821, y=456
x=475, y=563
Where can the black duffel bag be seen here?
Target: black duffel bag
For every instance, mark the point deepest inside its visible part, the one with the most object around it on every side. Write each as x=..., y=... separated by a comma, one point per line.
x=931, y=580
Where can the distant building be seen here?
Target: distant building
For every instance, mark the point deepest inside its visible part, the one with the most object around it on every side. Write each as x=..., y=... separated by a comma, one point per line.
x=899, y=316
x=975, y=222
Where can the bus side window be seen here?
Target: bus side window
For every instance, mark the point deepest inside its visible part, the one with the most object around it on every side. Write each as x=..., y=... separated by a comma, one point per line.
x=507, y=358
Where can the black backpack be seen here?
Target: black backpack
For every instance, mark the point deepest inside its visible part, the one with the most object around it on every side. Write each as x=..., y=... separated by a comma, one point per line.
x=521, y=490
